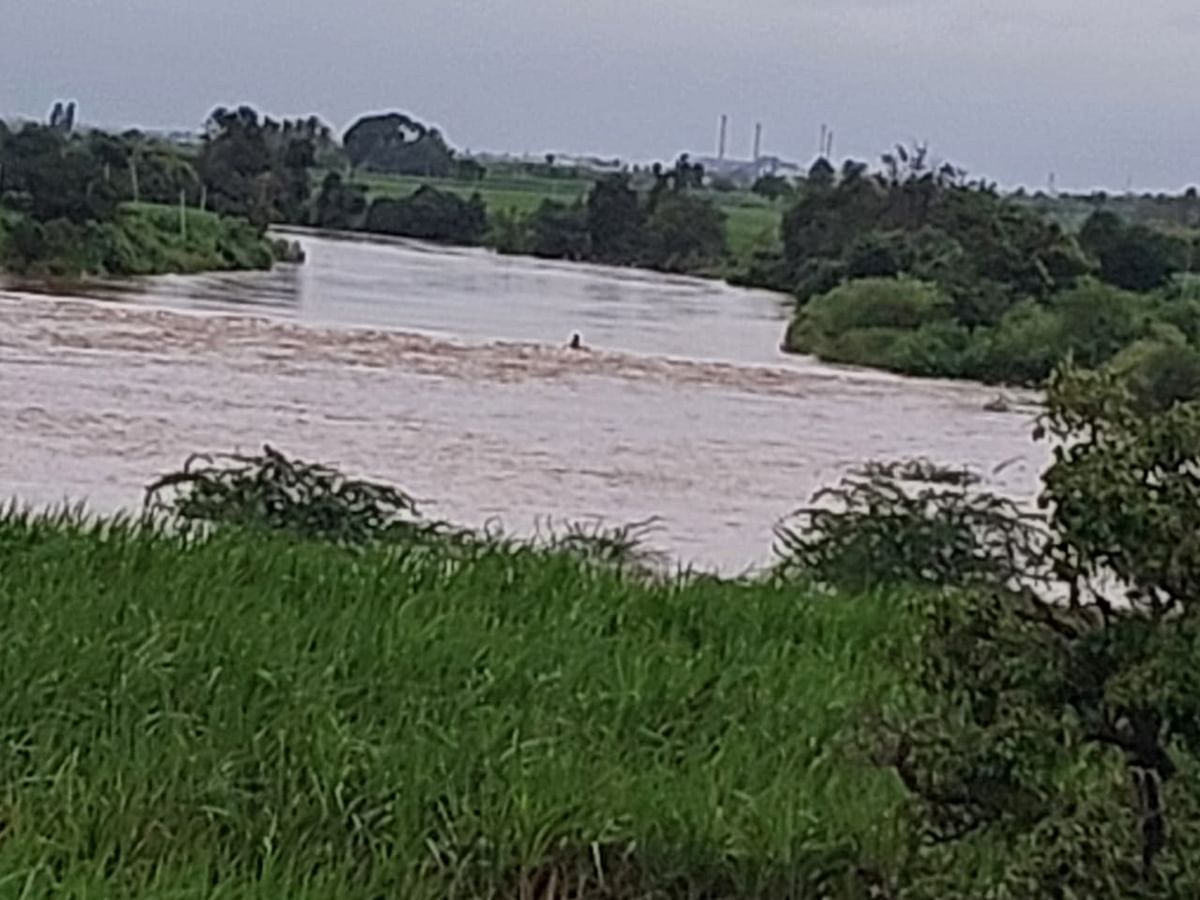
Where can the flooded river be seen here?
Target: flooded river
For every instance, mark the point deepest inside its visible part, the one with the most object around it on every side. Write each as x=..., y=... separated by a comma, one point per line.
x=445, y=371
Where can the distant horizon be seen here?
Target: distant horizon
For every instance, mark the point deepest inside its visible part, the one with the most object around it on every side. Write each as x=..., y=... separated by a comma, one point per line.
x=695, y=153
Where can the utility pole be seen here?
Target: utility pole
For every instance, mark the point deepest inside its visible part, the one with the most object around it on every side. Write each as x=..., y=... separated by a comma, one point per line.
x=723, y=134
x=758, y=131
x=183, y=213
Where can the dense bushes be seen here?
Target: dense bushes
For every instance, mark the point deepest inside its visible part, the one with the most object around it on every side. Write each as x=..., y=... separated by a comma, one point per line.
x=141, y=240
x=909, y=326
x=1018, y=294
x=1050, y=745
x=430, y=214
x=70, y=201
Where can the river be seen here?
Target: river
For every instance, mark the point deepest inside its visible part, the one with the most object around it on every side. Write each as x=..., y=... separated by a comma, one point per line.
x=445, y=371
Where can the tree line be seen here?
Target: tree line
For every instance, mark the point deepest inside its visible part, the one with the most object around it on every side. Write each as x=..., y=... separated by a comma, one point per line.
x=916, y=269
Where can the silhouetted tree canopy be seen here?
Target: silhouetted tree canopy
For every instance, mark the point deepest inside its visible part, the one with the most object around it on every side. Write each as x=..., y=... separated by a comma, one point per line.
x=398, y=144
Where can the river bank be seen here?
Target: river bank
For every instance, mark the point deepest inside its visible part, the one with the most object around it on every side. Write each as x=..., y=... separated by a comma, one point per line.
x=142, y=239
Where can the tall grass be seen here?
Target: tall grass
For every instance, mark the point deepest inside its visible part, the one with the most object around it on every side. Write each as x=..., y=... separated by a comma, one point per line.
x=254, y=715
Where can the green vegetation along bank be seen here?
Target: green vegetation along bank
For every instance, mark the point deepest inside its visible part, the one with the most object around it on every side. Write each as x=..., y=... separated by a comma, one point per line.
x=253, y=717
x=287, y=683
x=916, y=270
x=907, y=266
x=76, y=204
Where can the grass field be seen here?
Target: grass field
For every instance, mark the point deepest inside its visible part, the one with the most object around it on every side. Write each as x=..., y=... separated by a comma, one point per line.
x=252, y=717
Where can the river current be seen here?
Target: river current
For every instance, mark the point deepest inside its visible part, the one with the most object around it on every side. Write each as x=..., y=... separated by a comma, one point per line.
x=446, y=371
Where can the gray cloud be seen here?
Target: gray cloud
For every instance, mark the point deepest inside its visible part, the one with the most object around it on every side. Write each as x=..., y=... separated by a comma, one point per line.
x=1097, y=91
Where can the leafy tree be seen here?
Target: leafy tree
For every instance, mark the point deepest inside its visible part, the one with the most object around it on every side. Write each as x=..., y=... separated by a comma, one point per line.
x=52, y=176
x=1056, y=717
x=684, y=231
x=822, y=174
x=615, y=219
x=559, y=231
x=339, y=205
x=1133, y=257
x=469, y=170
x=773, y=187
x=257, y=167
x=398, y=144
x=430, y=214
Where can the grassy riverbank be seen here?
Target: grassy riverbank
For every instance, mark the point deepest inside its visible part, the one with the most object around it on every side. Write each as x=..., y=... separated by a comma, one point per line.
x=142, y=239
x=319, y=693
x=248, y=716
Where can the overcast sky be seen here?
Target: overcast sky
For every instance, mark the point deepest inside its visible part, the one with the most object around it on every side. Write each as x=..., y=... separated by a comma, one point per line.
x=1097, y=91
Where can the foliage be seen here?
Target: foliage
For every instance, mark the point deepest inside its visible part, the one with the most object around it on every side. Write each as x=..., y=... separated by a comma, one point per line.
x=143, y=239
x=273, y=492
x=430, y=214
x=869, y=322
x=399, y=144
x=1159, y=371
x=1134, y=257
x=339, y=205
x=257, y=167
x=773, y=187
x=1059, y=754
x=559, y=231
x=873, y=530
x=682, y=233
x=615, y=218
x=49, y=175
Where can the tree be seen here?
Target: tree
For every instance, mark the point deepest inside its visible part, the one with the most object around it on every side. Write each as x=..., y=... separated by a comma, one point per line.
x=1133, y=257
x=822, y=174
x=257, y=167
x=559, y=231
x=1054, y=716
x=682, y=232
x=430, y=214
x=614, y=219
x=773, y=187
x=339, y=205
x=398, y=144
x=51, y=176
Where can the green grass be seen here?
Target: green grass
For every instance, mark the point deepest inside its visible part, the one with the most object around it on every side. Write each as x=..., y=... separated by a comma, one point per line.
x=144, y=239
x=510, y=192
x=750, y=228
x=152, y=239
x=247, y=716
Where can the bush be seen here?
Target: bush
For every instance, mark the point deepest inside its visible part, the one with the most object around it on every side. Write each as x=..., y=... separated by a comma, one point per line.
x=432, y=215
x=684, y=231
x=1021, y=349
x=863, y=322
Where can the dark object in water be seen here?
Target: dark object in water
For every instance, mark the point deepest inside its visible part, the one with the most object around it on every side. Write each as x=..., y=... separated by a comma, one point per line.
x=998, y=405
x=576, y=342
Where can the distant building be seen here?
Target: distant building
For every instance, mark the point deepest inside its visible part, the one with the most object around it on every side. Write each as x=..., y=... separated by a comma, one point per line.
x=747, y=171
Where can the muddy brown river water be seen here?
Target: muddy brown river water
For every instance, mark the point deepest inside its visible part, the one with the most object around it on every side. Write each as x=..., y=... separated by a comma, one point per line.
x=445, y=371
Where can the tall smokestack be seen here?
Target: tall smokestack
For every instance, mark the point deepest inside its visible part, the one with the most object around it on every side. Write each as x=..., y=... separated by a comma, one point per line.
x=724, y=134
x=758, y=142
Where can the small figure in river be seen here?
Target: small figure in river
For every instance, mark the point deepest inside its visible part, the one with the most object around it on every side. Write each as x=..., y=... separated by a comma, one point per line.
x=998, y=405
x=576, y=342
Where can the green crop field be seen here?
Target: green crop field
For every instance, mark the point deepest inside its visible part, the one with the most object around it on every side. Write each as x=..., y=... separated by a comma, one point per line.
x=499, y=193
x=252, y=716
